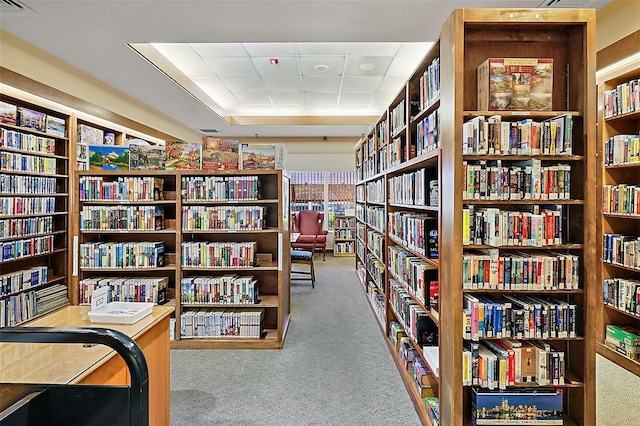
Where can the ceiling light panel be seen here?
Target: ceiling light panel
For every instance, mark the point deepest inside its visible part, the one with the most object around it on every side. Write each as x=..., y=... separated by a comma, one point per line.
x=402, y=66
x=232, y=67
x=253, y=98
x=355, y=99
x=380, y=65
x=361, y=84
x=282, y=83
x=391, y=84
x=286, y=66
x=335, y=64
x=321, y=98
x=216, y=50
x=211, y=85
x=243, y=84
x=414, y=49
x=287, y=98
x=321, y=84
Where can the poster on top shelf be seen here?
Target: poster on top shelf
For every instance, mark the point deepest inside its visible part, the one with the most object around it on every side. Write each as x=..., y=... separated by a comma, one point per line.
x=90, y=135
x=32, y=119
x=56, y=126
x=8, y=113
x=103, y=157
x=182, y=155
x=146, y=157
x=219, y=154
x=262, y=156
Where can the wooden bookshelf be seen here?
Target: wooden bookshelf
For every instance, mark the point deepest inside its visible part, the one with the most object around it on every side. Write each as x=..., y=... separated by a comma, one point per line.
x=344, y=231
x=468, y=38
x=617, y=165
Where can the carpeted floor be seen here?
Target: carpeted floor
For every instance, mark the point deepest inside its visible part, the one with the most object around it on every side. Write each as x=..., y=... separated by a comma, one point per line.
x=335, y=369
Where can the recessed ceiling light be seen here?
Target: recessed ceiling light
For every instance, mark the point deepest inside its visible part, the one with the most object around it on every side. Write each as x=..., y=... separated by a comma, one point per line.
x=321, y=68
x=367, y=66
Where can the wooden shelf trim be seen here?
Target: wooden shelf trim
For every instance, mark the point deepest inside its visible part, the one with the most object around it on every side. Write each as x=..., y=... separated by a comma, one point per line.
x=404, y=245
x=266, y=302
x=432, y=106
x=25, y=216
x=414, y=297
x=49, y=253
x=435, y=209
x=52, y=280
x=613, y=356
x=33, y=131
x=627, y=313
x=232, y=202
x=35, y=153
x=508, y=157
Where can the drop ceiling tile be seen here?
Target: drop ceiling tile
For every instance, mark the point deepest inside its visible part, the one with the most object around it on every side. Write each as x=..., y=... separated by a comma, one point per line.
x=335, y=64
x=175, y=51
x=355, y=99
x=392, y=84
x=414, y=49
x=232, y=67
x=253, y=98
x=287, y=66
x=216, y=50
x=282, y=83
x=253, y=109
x=271, y=49
x=211, y=85
x=373, y=49
x=379, y=64
x=322, y=49
x=194, y=67
x=225, y=100
x=243, y=84
x=322, y=109
x=287, y=98
x=383, y=98
x=361, y=84
x=321, y=84
x=403, y=66
x=321, y=98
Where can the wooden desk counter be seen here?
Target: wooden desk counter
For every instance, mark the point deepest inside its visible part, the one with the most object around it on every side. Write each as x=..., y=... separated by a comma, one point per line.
x=74, y=363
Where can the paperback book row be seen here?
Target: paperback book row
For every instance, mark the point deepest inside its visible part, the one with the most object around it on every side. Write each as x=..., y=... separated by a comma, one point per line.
x=221, y=323
x=223, y=218
x=492, y=269
x=376, y=218
x=121, y=217
x=23, y=227
x=213, y=254
x=414, y=319
x=495, y=227
x=398, y=117
x=376, y=270
x=21, y=184
x=344, y=247
x=518, y=317
x=621, y=199
x=345, y=234
x=377, y=301
x=430, y=84
x=18, y=162
x=428, y=133
x=27, y=142
x=625, y=98
x=21, y=307
x=523, y=180
x=360, y=213
x=623, y=250
x=225, y=289
x=395, y=152
x=376, y=191
x=490, y=135
x=145, y=254
x=418, y=232
x=375, y=243
x=126, y=289
x=414, y=188
x=27, y=247
x=25, y=117
x=517, y=406
x=622, y=294
x=496, y=364
x=19, y=206
x=23, y=279
x=418, y=276
x=220, y=188
x=360, y=250
x=623, y=339
x=360, y=193
x=622, y=149
x=124, y=188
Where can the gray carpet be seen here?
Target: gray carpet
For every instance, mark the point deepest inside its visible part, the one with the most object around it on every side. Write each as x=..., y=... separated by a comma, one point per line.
x=617, y=401
x=335, y=368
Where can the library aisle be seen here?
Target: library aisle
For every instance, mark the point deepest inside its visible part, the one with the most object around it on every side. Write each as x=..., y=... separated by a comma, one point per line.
x=334, y=369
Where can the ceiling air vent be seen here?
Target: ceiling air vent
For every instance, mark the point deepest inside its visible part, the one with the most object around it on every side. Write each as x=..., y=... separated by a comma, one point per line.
x=568, y=4
x=209, y=131
x=14, y=7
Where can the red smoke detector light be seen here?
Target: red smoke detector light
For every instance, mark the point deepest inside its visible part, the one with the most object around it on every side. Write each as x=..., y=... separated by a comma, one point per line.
x=273, y=61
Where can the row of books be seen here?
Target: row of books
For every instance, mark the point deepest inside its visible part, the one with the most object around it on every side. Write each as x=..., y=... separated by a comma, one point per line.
x=418, y=232
x=376, y=269
x=18, y=162
x=220, y=188
x=414, y=319
x=145, y=254
x=126, y=289
x=344, y=247
x=395, y=153
x=622, y=149
x=376, y=191
x=621, y=199
x=31, y=119
x=625, y=98
x=19, y=249
x=376, y=217
x=523, y=180
x=413, y=188
x=17, y=206
x=495, y=227
x=518, y=317
x=623, y=339
x=360, y=194
x=497, y=364
x=517, y=406
x=361, y=231
x=121, y=217
x=398, y=117
x=226, y=289
x=360, y=249
x=227, y=218
x=429, y=84
x=23, y=279
x=344, y=222
x=621, y=250
x=360, y=212
x=221, y=323
x=428, y=133
x=490, y=135
x=124, y=188
x=377, y=301
x=27, y=142
x=25, y=184
x=418, y=276
x=508, y=270
x=344, y=234
x=212, y=254
x=21, y=307
x=622, y=294
x=23, y=227
x=375, y=243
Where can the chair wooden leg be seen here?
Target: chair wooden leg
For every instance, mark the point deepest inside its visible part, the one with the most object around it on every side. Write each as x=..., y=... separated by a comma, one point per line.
x=313, y=276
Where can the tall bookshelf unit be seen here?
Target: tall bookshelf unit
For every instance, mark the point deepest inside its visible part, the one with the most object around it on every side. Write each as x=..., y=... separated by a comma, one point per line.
x=344, y=229
x=34, y=214
x=468, y=38
x=619, y=221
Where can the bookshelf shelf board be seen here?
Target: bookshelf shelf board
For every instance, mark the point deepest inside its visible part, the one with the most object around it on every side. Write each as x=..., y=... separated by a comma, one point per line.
x=122, y=173
x=265, y=302
x=399, y=132
x=23, y=173
x=622, y=166
x=373, y=228
x=620, y=311
x=414, y=297
x=131, y=269
x=269, y=342
x=344, y=254
x=429, y=158
x=233, y=202
x=36, y=153
x=230, y=231
x=433, y=105
x=128, y=231
x=374, y=255
x=559, y=339
x=621, y=215
x=404, y=245
x=32, y=131
x=372, y=177
x=527, y=202
x=624, y=362
x=634, y=115
x=266, y=266
x=52, y=281
x=506, y=157
x=547, y=292
x=344, y=239
x=20, y=216
x=22, y=237
x=56, y=251
x=376, y=203
x=376, y=282
x=44, y=314
x=34, y=194
x=416, y=207
x=119, y=202
x=620, y=266
x=553, y=247
x=519, y=115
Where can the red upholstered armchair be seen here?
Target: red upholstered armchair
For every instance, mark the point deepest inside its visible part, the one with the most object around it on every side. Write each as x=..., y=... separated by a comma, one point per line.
x=306, y=223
